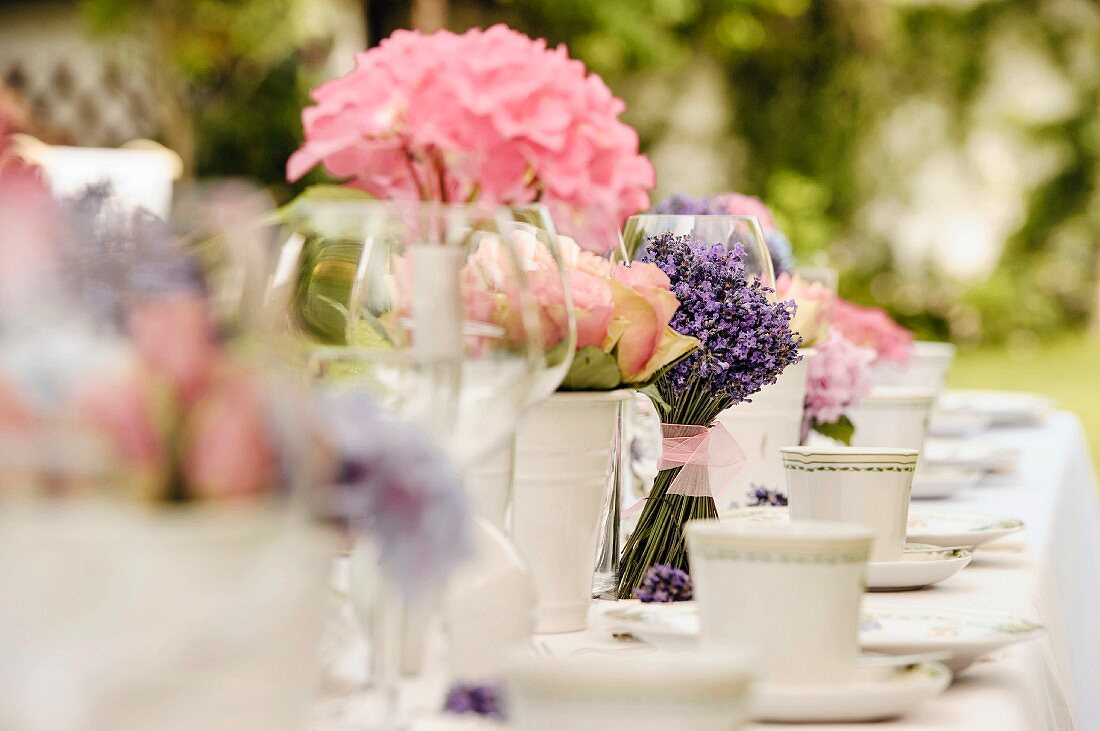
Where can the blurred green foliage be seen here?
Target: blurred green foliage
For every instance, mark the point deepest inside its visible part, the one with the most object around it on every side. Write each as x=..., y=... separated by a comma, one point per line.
x=815, y=93
x=231, y=76
x=811, y=83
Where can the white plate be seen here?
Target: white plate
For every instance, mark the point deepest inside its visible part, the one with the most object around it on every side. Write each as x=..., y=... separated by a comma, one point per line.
x=947, y=424
x=965, y=530
x=932, y=483
x=872, y=694
x=1004, y=408
x=969, y=455
x=966, y=634
x=920, y=566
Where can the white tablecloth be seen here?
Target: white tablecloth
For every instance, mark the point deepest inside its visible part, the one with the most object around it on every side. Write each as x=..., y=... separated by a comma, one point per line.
x=1050, y=574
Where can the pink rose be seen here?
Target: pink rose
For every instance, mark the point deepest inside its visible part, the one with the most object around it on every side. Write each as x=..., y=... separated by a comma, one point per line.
x=229, y=451
x=640, y=335
x=594, y=307
x=814, y=303
x=873, y=328
x=176, y=339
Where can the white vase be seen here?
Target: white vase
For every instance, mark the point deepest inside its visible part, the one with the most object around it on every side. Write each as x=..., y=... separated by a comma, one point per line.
x=929, y=363
x=771, y=421
x=125, y=618
x=564, y=452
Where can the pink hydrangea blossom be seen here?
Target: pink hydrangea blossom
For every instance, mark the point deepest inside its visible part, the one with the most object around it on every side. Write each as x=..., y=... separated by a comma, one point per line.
x=490, y=115
x=839, y=375
x=873, y=328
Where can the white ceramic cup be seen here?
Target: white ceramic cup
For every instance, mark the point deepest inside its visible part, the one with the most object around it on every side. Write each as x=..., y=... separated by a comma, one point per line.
x=892, y=416
x=788, y=594
x=701, y=691
x=864, y=485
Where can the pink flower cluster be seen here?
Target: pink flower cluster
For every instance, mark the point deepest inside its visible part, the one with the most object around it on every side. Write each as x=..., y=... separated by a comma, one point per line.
x=184, y=400
x=624, y=311
x=838, y=377
x=873, y=328
x=490, y=115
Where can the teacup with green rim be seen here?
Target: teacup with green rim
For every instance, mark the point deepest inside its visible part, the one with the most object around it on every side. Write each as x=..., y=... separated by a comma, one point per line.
x=866, y=485
x=788, y=594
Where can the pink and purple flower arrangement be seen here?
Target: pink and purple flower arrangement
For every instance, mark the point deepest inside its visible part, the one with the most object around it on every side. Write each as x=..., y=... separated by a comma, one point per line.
x=488, y=115
x=622, y=312
x=745, y=342
x=839, y=375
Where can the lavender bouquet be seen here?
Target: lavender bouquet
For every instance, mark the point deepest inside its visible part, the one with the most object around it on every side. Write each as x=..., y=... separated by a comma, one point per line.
x=745, y=342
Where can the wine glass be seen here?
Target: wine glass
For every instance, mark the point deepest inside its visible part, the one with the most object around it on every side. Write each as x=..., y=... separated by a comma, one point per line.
x=430, y=308
x=726, y=230
x=424, y=304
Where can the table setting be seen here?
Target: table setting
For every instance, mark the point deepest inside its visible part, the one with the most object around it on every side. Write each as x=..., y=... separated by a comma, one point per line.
x=479, y=435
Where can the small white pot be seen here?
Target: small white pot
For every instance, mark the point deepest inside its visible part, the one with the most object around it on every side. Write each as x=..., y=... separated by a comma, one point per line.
x=929, y=363
x=788, y=594
x=854, y=485
x=564, y=448
x=892, y=416
x=697, y=691
x=773, y=419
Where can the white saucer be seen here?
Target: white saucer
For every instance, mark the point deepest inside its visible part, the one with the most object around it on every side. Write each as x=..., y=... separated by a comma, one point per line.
x=968, y=454
x=931, y=483
x=668, y=626
x=920, y=566
x=872, y=694
x=1004, y=408
x=964, y=530
x=966, y=634
x=947, y=424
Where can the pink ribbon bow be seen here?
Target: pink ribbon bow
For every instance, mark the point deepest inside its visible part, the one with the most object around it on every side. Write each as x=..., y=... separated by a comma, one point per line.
x=709, y=459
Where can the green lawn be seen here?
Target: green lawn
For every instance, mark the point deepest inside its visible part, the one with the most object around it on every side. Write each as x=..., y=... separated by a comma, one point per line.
x=1067, y=370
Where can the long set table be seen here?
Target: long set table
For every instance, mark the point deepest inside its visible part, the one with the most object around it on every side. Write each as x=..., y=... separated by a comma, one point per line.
x=1049, y=573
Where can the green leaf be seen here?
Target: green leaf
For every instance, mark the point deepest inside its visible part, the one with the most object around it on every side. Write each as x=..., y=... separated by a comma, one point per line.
x=313, y=194
x=654, y=394
x=592, y=370
x=841, y=430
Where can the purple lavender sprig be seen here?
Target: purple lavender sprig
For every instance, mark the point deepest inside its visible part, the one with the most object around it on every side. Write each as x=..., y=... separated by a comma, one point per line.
x=745, y=340
x=760, y=496
x=664, y=583
x=483, y=699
